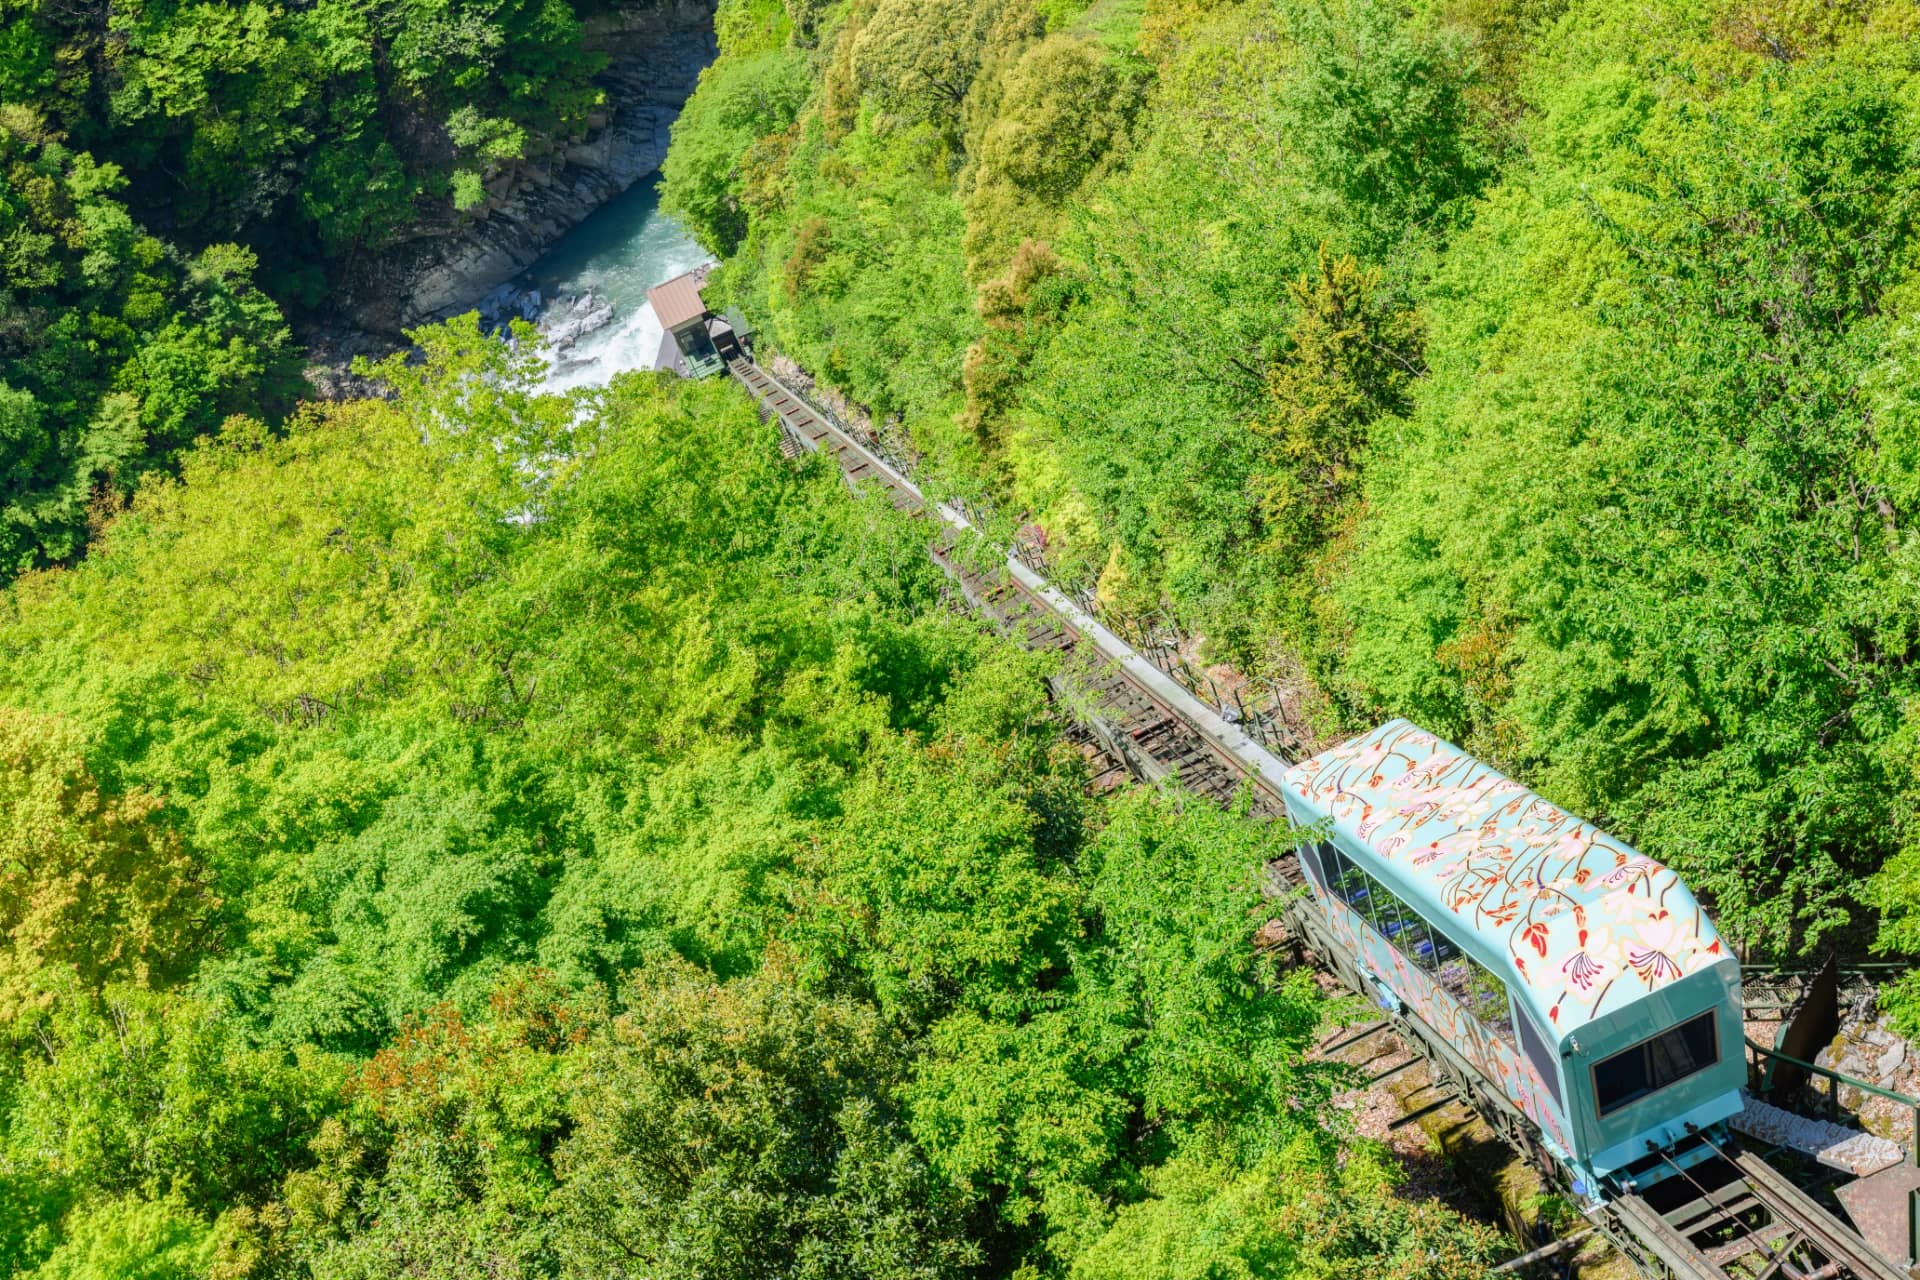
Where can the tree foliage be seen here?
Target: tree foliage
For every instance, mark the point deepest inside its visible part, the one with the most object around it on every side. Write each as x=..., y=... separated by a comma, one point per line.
x=116, y=350
x=300, y=128
x=483, y=831
x=94, y=889
x=1534, y=371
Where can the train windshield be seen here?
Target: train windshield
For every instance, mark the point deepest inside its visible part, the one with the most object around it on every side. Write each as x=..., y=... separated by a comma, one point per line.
x=1655, y=1063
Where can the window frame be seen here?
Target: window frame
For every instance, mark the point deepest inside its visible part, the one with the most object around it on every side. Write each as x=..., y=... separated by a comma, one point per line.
x=1381, y=898
x=1549, y=1071
x=1593, y=1068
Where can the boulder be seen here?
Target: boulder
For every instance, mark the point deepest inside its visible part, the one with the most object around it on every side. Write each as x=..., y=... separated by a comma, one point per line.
x=567, y=322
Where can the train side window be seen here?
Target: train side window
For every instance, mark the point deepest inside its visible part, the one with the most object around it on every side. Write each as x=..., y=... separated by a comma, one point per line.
x=1416, y=939
x=1324, y=859
x=1372, y=902
x=1455, y=976
x=1356, y=887
x=1655, y=1063
x=1478, y=989
x=1346, y=881
x=1534, y=1045
x=1486, y=999
x=1310, y=863
x=1406, y=928
x=1384, y=909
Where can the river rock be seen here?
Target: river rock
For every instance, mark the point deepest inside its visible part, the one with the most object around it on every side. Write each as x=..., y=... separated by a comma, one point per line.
x=567, y=322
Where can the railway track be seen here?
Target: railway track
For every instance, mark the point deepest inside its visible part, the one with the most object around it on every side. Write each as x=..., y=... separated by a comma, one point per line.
x=1736, y=1216
x=1125, y=718
x=1730, y=1217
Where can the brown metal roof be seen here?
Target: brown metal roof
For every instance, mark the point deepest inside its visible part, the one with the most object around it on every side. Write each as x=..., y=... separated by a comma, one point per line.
x=678, y=300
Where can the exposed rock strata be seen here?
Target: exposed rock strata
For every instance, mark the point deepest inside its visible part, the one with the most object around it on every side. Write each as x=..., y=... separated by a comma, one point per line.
x=657, y=52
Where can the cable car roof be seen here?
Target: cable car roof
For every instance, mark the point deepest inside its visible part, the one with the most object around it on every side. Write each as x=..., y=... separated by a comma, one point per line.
x=1581, y=924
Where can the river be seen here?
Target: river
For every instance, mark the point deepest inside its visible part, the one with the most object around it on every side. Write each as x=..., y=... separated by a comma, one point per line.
x=619, y=252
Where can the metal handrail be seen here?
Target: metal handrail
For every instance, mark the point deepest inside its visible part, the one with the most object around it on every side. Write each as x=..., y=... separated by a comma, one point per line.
x=1266, y=726
x=1796, y=970
x=1833, y=1094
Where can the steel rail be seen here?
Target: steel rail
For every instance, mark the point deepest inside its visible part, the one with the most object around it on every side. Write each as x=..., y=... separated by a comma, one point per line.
x=1232, y=747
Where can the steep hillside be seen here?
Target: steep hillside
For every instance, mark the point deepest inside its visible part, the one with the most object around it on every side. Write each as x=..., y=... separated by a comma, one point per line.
x=1543, y=372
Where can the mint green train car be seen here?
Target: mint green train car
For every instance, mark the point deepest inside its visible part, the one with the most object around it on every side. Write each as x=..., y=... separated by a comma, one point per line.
x=1577, y=978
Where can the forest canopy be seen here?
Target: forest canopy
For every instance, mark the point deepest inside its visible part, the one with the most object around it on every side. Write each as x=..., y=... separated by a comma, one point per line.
x=475, y=830
x=1539, y=371
x=535, y=835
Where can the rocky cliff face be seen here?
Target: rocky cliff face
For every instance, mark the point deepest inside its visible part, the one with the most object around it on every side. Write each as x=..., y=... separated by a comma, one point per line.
x=657, y=52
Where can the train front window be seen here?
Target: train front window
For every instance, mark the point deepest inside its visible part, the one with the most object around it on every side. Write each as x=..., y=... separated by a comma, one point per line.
x=1655, y=1063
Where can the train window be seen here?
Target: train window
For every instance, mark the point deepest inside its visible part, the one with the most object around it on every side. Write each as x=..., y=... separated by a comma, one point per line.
x=1656, y=1062
x=1380, y=907
x=1415, y=938
x=1349, y=883
x=1310, y=864
x=1477, y=988
x=1481, y=991
x=1317, y=859
x=1487, y=1000
x=1534, y=1045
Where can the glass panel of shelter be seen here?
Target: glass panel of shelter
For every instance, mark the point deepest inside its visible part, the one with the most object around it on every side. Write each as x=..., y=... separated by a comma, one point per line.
x=1477, y=988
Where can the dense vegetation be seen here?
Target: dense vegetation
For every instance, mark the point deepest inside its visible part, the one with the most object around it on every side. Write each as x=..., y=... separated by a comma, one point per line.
x=175, y=175
x=1542, y=370
x=486, y=833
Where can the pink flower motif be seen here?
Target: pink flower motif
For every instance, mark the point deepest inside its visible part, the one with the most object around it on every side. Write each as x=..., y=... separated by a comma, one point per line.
x=1583, y=970
x=1572, y=844
x=1654, y=967
x=1658, y=929
x=1631, y=869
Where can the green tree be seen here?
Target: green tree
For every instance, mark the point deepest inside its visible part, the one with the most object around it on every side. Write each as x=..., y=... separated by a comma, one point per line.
x=1063, y=107
x=748, y=1127
x=919, y=59
x=737, y=104
x=115, y=351
x=1352, y=360
x=94, y=888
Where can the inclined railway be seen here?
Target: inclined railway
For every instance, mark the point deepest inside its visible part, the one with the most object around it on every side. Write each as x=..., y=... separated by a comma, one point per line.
x=1705, y=1206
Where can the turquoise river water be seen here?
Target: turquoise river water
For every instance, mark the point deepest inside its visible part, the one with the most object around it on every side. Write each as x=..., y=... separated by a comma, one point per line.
x=621, y=251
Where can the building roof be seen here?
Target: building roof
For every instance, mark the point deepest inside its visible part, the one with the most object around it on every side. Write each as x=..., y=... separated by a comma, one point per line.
x=1579, y=923
x=677, y=301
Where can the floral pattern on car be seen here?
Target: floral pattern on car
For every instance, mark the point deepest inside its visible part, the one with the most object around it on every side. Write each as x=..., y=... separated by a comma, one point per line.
x=1585, y=922
x=1493, y=1057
